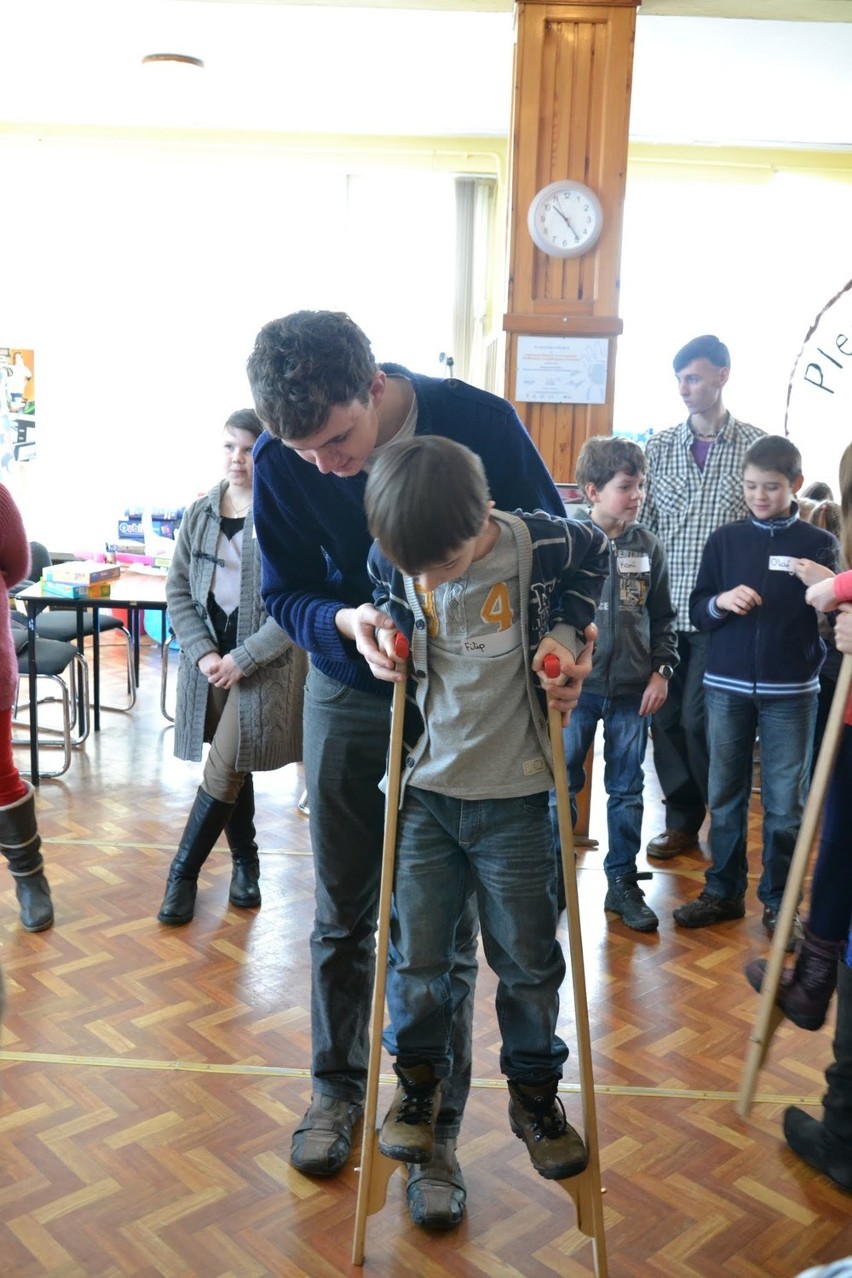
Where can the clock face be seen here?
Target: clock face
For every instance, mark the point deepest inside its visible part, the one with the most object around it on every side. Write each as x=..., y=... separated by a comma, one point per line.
x=565, y=219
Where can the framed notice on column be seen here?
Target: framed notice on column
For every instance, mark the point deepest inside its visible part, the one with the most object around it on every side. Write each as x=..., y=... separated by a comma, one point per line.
x=561, y=370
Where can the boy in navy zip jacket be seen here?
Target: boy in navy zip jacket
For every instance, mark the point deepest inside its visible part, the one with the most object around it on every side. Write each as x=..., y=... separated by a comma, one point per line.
x=762, y=679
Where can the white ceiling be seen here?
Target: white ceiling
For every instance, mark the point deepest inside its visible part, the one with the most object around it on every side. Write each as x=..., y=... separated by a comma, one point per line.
x=278, y=67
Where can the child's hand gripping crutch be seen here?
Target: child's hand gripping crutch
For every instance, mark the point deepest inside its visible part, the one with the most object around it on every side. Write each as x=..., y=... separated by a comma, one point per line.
x=372, y=1191
x=769, y=1014
x=584, y=1188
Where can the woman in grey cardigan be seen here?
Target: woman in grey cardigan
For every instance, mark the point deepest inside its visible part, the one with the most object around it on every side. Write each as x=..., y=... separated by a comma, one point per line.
x=240, y=677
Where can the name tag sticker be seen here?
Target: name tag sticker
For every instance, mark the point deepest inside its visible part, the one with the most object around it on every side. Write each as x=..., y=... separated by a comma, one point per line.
x=634, y=563
x=781, y=563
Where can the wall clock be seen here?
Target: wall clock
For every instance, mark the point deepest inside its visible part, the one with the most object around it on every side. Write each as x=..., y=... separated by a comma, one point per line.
x=565, y=218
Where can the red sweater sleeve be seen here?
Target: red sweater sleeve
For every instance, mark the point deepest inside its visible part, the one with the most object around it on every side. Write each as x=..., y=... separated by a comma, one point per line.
x=843, y=587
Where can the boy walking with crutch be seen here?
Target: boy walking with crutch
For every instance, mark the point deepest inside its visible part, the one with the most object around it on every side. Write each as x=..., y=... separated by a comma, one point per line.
x=483, y=596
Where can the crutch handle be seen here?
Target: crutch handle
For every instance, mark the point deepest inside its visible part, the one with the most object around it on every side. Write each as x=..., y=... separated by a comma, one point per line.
x=401, y=646
x=552, y=666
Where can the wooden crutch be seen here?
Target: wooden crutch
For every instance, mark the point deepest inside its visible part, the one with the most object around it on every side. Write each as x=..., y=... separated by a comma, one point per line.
x=375, y=1172
x=769, y=1014
x=586, y=1188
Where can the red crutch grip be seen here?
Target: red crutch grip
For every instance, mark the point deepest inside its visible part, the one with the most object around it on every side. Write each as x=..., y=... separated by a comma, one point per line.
x=401, y=646
x=552, y=666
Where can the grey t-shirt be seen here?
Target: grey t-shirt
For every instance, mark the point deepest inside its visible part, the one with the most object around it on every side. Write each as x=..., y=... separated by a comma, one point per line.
x=482, y=743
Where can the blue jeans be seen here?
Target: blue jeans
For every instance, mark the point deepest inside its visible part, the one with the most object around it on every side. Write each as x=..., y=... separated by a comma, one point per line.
x=346, y=741
x=625, y=740
x=786, y=728
x=503, y=848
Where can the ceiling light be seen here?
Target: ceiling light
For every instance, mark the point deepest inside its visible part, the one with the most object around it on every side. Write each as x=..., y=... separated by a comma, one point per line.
x=183, y=58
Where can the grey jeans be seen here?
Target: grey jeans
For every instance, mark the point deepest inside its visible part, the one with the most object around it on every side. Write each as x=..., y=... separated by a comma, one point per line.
x=346, y=736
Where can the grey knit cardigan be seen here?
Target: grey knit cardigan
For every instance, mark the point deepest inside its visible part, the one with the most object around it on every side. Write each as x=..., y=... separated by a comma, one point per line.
x=274, y=669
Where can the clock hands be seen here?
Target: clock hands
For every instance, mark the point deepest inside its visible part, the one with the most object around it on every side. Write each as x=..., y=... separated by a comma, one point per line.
x=566, y=220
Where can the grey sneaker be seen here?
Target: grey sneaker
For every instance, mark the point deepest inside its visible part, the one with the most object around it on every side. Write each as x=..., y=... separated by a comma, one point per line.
x=436, y=1193
x=322, y=1141
x=625, y=898
x=409, y=1127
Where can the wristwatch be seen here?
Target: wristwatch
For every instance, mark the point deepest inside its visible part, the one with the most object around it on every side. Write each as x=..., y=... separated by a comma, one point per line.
x=666, y=671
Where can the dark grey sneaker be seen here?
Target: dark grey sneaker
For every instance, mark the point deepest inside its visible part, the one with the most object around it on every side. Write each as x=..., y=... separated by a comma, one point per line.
x=408, y=1131
x=707, y=909
x=770, y=922
x=322, y=1141
x=536, y=1117
x=625, y=898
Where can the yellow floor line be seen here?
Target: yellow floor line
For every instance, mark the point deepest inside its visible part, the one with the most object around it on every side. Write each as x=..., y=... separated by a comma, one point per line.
x=281, y=1071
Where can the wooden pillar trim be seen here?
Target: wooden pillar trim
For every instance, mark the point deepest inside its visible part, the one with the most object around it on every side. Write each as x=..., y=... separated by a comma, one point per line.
x=573, y=68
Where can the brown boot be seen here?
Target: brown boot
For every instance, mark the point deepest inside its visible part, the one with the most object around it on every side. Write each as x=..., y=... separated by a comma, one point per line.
x=536, y=1117
x=806, y=989
x=408, y=1131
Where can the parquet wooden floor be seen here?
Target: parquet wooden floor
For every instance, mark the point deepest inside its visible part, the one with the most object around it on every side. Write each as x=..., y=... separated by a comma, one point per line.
x=151, y=1078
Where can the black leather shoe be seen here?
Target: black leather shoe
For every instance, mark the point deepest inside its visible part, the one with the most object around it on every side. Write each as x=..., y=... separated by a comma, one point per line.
x=671, y=843
x=322, y=1141
x=707, y=909
x=436, y=1191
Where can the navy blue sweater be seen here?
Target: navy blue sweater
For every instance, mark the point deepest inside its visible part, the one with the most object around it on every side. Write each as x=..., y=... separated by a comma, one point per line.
x=775, y=649
x=312, y=529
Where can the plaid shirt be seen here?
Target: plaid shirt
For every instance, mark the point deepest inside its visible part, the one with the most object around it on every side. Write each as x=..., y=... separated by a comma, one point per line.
x=683, y=504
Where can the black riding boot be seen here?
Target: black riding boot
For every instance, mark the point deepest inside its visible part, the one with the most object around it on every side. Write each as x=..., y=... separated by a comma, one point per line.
x=20, y=843
x=206, y=822
x=827, y=1145
x=240, y=833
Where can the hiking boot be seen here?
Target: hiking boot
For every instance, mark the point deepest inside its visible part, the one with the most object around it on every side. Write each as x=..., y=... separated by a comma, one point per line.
x=408, y=1131
x=806, y=988
x=625, y=898
x=670, y=844
x=322, y=1141
x=708, y=909
x=770, y=922
x=436, y=1192
x=536, y=1117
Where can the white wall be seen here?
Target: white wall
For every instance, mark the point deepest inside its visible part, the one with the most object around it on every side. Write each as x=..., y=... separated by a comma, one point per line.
x=752, y=260
x=140, y=276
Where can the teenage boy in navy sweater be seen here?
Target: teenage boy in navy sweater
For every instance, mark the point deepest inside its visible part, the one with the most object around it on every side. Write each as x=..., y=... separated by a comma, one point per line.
x=329, y=412
x=762, y=678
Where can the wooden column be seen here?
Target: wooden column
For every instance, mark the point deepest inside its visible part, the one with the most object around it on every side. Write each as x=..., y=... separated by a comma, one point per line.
x=573, y=68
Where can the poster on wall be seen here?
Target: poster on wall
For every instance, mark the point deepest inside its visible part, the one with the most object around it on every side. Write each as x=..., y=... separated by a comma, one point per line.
x=17, y=409
x=819, y=396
